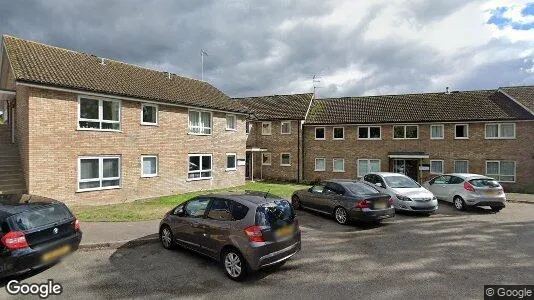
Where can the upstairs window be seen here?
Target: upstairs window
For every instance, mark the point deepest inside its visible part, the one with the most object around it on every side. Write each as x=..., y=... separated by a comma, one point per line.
x=406, y=132
x=231, y=122
x=461, y=131
x=436, y=132
x=199, y=122
x=149, y=114
x=319, y=133
x=266, y=128
x=369, y=133
x=285, y=127
x=500, y=131
x=339, y=133
x=99, y=114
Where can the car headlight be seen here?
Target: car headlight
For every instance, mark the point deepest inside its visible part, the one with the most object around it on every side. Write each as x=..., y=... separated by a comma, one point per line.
x=434, y=198
x=403, y=198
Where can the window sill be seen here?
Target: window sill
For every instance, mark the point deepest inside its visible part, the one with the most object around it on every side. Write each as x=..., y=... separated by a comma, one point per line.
x=149, y=124
x=461, y=138
x=338, y=139
x=323, y=139
x=436, y=138
x=149, y=176
x=405, y=138
x=285, y=133
x=98, y=189
x=266, y=134
x=319, y=170
x=100, y=130
x=231, y=170
x=338, y=171
x=199, y=179
x=230, y=129
x=369, y=139
x=285, y=165
x=500, y=138
x=200, y=134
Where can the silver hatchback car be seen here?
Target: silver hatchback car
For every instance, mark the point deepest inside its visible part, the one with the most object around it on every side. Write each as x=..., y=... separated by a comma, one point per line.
x=465, y=190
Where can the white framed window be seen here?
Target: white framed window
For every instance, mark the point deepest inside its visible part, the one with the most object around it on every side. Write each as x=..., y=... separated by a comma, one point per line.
x=405, y=132
x=231, y=122
x=149, y=165
x=99, y=173
x=436, y=167
x=99, y=114
x=266, y=158
x=500, y=131
x=502, y=171
x=149, y=114
x=338, y=133
x=461, y=131
x=248, y=126
x=200, y=166
x=199, y=122
x=338, y=165
x=285, y=127
x=369, y=132
x=320, y=164
x=285, y=159
x=366, y=166
x=266, y=128
x=231, y=161
x=320, y=133
x=461, y=166
x=437, y=132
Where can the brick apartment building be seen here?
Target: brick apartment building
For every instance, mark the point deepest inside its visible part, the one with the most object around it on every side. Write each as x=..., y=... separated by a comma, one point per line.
x=93, y=130
x=487, y=132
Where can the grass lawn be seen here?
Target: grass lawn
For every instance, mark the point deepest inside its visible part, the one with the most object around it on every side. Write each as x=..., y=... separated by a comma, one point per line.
x=156, y=208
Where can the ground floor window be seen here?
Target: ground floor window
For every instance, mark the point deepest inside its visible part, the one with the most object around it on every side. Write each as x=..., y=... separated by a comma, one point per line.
x=231, y=159
x=320, y=164
x=366, y=166
x=461, y=166
x=266, y=159
x=503, y=171
x=285, y=159
x=149, y=166
x=98, y=173
x=199, y=166
x=436, y=167
x=338, y=165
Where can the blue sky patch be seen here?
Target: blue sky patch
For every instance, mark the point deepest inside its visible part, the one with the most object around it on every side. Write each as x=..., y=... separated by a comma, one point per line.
x=498, y=18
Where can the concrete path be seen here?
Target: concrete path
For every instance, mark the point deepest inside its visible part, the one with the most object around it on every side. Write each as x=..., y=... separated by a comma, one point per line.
x=117, y=234
x=515, y=197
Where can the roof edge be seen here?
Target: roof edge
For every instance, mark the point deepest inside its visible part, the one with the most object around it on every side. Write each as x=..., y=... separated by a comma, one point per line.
x=500, y=90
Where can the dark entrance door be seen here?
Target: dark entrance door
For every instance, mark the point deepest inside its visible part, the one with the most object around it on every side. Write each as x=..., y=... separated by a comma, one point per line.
x=248, y=165
x=408, y=167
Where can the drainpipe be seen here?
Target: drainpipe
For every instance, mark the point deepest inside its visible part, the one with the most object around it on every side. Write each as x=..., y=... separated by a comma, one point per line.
x=12, y=121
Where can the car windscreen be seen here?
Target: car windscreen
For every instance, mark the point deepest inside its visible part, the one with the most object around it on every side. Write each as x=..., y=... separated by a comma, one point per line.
x=484, y=182
x=50, y=214
x=400, y=182
x=275, y=214
x=360, y=189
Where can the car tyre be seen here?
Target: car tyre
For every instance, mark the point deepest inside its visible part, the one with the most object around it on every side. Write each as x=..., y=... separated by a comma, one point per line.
x=341, y=215
x=458, y=203
x=166, y=237
x=496, y=209
x=295, y=201
x=234, y=264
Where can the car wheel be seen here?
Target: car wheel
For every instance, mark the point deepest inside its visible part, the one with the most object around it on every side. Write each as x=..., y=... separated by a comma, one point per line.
x=295, y=201
x=234, y=264
x=341, y=216
x=166, y=237
x=459, y=203
x=496, y=209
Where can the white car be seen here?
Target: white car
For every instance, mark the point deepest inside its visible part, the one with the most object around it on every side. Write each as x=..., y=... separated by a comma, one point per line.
x=465, y=190
x=407, y=194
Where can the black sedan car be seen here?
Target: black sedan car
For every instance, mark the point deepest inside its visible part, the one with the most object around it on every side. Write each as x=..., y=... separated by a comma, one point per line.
x=35, y=232
x=346, y=200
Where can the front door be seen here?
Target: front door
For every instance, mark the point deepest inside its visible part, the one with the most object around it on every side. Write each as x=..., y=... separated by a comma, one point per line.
x=408, y=167
x=248, y=165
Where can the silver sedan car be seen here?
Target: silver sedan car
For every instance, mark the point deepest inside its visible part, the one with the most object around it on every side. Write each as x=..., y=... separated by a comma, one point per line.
x=465, y=190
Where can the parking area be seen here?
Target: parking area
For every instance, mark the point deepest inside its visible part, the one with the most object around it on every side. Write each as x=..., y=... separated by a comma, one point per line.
x=448, y=255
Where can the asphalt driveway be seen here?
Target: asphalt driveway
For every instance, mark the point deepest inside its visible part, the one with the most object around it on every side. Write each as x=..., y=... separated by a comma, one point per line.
x=448, y=255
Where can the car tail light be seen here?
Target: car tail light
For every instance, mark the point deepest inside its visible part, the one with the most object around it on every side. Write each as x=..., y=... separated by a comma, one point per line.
x=468, y=187
x=14, y=240
x=254, y=234
x=390, y=201
x=76, y=225
x=362, y=204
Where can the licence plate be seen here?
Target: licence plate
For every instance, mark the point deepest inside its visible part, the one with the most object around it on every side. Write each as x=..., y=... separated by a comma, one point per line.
x=380, y=204
x=56, y=253
x=284, y=232
x=490, y=192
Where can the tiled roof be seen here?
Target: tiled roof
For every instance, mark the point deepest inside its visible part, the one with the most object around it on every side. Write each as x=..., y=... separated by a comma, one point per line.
x=522, y=94
x=277, y=107
x=429, y=107
x=42, y=64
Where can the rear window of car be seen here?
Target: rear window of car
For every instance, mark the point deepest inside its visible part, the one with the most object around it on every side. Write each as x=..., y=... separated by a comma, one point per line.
x=275, y=214
x=359, y=188
x=50, y=214
x=484, y=182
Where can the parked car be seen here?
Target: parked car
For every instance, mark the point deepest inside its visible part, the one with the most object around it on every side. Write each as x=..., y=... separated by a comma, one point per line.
x=407, y=194
x=244, y=232
x=35, y=232
x=345, y=200
x=465, y=190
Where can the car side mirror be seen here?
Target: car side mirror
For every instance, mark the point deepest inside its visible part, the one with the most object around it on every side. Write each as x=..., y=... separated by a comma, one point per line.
x=379, y=184
x=179, y=211
x=310, y=189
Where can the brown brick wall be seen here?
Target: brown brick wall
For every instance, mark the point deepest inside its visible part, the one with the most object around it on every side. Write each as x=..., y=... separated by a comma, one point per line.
x=276, y=144
x=476, y=149
x=22, y=120
x=55, y=145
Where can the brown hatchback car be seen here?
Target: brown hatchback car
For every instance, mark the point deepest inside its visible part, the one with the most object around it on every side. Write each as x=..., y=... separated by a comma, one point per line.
x=244, y=232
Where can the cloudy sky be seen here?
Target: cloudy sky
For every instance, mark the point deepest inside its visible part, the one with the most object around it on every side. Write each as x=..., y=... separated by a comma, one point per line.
x=276, y=46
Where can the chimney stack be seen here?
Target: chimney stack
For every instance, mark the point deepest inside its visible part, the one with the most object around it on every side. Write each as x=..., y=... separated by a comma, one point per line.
x=447, y=90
